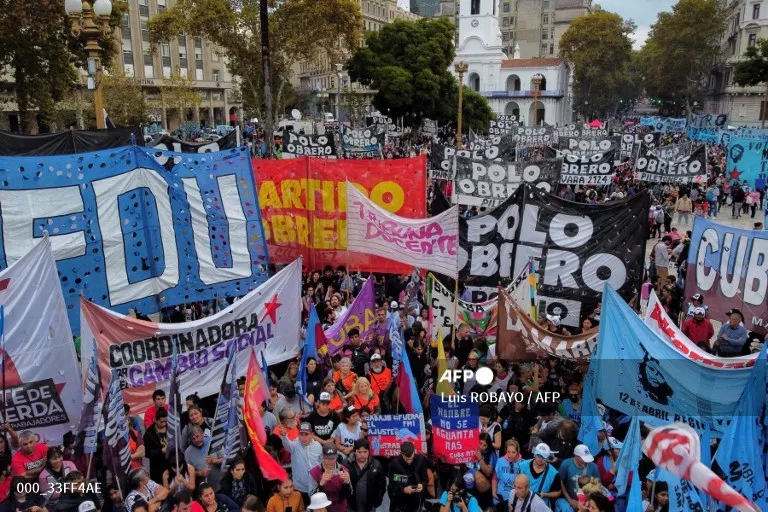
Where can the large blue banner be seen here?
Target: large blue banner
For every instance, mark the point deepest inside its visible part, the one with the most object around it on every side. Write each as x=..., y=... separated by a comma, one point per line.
x=639, y=374
x=137, y=227
x=664, y=124
x=747, y=159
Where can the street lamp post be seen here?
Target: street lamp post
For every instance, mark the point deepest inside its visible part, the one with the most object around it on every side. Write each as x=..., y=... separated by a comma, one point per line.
x=461, y=68
x=338, y=93
x=91, y=22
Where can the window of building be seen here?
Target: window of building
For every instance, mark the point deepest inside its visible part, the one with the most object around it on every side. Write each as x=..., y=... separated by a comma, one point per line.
x=552, y=49
x=160, y=6
x=505, y=36
x=474, y=7
x=512, y=21
x=543, y=50
x=545, y=19
x=755, y=11
x=198, y=54
x=545, y=4
x=736, y=21
x=752, y=40
x=505, y=8
x=544, y=33
x=198, y=74
x=143, y=8
x=144, y=29
x=126, y=26
x=505, y=22
x=215, y=57
x=127, y=53
x=215, y=75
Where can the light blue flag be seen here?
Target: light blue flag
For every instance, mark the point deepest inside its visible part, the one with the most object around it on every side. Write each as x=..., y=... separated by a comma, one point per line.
x=310, y=351
x=397, y=344
x=629, y=457
x=635, y=501
x=740, y=454
x=591, y=421
x=683, y=496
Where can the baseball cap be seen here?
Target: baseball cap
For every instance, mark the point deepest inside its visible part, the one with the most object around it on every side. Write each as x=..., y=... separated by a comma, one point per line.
x=607, y=427
x=554, y=319
x=394, y=305
x=305, y=427
x=349, y=410
x=87, y=506
x=376, y=357
x=543, y=450
x=697, y=296
x=699, y=311
x=615, y=443
x=582, y=451
x=325, y=396
x=330, y=451
x=407, y=449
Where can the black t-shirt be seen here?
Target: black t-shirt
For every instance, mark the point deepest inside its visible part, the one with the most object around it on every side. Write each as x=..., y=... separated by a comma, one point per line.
x=323, y=425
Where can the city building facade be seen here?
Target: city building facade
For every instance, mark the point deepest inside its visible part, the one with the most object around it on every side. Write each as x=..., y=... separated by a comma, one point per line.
x=746, y=23
x=325, y=82
x=510, y=84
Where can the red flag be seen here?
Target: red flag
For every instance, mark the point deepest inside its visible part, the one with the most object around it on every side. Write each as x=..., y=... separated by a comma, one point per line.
x=254, y=382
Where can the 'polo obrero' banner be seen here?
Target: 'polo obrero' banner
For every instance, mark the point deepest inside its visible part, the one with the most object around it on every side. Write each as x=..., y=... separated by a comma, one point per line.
x=637, y=373
x=503, y=125
x=534, y=136
x=304, y=204
x=319, y=146
x=578, y=247
x=595, y=169
x=166, y=142
x=727, y=266
x=630, y=143
x=692, y=168
x=430, y=243
x=586, y=147
x=520, y=338
x=267, y=319
x=138, y=227
x=365, y=140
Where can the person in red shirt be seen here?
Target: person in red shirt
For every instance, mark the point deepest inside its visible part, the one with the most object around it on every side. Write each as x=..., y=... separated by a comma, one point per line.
x=699, y=329
x=30, y=460
x=185, y=503
x=158, y=399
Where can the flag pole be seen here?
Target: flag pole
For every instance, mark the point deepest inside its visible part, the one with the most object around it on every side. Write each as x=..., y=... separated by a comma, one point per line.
x=90, y=455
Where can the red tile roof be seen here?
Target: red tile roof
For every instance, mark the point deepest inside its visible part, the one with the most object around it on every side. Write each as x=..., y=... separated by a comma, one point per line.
x=530, y=63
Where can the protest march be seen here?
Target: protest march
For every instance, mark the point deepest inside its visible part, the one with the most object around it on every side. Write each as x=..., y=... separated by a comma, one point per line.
x=567, y=318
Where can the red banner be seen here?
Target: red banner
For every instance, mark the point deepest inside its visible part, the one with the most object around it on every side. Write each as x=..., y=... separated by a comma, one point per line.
x=304, y=200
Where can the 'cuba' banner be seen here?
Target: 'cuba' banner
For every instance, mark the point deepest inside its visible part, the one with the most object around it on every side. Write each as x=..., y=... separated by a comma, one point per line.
x=692, y=168
x=319, y=146
x=387, y=432
x=360, y=315
x=595, y=169
x=747, y=160
x=638, y=373
x=579, y=249
x=141, y=353
x=366, y=140
x=727, y=266
x=137, y=227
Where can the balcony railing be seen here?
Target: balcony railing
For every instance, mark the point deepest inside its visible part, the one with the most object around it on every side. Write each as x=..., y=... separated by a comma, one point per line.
x=523, y=94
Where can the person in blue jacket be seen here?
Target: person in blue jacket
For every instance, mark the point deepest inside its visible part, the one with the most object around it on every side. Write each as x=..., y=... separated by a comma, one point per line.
x=732, y=335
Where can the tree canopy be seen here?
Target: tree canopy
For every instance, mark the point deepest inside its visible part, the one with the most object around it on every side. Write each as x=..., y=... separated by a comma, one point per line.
x=680, y=50
x=600, y=50
x=753, y=70
x=407, y=63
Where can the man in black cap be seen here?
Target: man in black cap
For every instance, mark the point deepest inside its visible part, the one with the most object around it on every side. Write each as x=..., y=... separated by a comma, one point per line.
x=697, y=301
x=323, y=420
x=408, y=480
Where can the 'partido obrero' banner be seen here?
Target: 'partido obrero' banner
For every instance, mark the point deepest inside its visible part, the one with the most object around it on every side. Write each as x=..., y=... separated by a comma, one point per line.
x=692, y=168
x=455, y=430
x=304, y=204
x=40, y=371
x=431, y=243
x=136, y=227
x=387, y=432
x=578, y=247
x=267, y=319
x=727, y=265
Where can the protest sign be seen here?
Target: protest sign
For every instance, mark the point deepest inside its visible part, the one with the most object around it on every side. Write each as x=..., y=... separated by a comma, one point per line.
x=304, y=203
x=68, y=142
x=41, y=375
x=638, y=373
x=578, y=247
x=267, y=318
x=334, y=128
x=586, y=147
x=503, y=125
x=595, y=169
x=747, y=160
x=360, y=315
x=138, y=227
x=529, y=136
x=707, y=121
x=429, y=126
x=455, y=430
x=320, y=146
x=364, y=140
x=674, y=151
x=387, y=432
x=630, y=143
x=384, y=123
x=480, y=316
x=727, y=266
x=166, y=142
x=669, y=125
x=431, y=243
x=692, y=168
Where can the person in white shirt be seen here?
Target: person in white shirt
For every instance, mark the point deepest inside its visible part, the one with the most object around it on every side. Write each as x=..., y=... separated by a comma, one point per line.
x=523, y=500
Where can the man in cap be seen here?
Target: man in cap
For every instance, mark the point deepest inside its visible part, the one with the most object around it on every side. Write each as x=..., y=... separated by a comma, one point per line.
x=699, y=329
x=408, y=480
x=306, y=453
x=732, y=336
x=523, y=499
x=379, y=376
x=290, y=399
x=323, y=420
x=581, y=464
x=543, y=478
x=332, y=478
x=697, y=301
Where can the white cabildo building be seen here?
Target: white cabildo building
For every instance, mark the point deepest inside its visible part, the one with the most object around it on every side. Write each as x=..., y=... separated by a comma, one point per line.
x=535, y=90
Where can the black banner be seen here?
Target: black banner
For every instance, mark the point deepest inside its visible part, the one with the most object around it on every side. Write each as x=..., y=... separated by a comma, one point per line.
x=366, y=140
x=630, y=143
x=586, y=147
x=33, y=405
x=543, y=135
x=228, y=141
x=596, y=169
x=385, y=123
x=69, y=142
x=495, y=146
x=582, y=133
x=649, y=166
x=577, y=249
x=318, y=146
x=503, y=125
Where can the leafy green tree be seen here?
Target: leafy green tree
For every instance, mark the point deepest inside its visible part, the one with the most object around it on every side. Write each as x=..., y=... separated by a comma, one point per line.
x=600, y=50
x=178, y=92
x=681, y=49
x=124, y=101
x=407, y=63
x=753, y=70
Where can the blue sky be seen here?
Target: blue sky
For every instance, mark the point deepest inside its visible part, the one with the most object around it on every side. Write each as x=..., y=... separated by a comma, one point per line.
x=642, y=12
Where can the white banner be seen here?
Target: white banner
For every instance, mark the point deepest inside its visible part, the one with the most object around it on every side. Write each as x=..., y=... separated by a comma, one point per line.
x=42, y=379
x=268, y=318
x=430, y=244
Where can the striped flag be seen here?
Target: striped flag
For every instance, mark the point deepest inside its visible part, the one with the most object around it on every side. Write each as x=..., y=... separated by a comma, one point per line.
x=226, y=398
x=89, y=421
x=232, y=444
x=117, y=450
x=174, y=406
